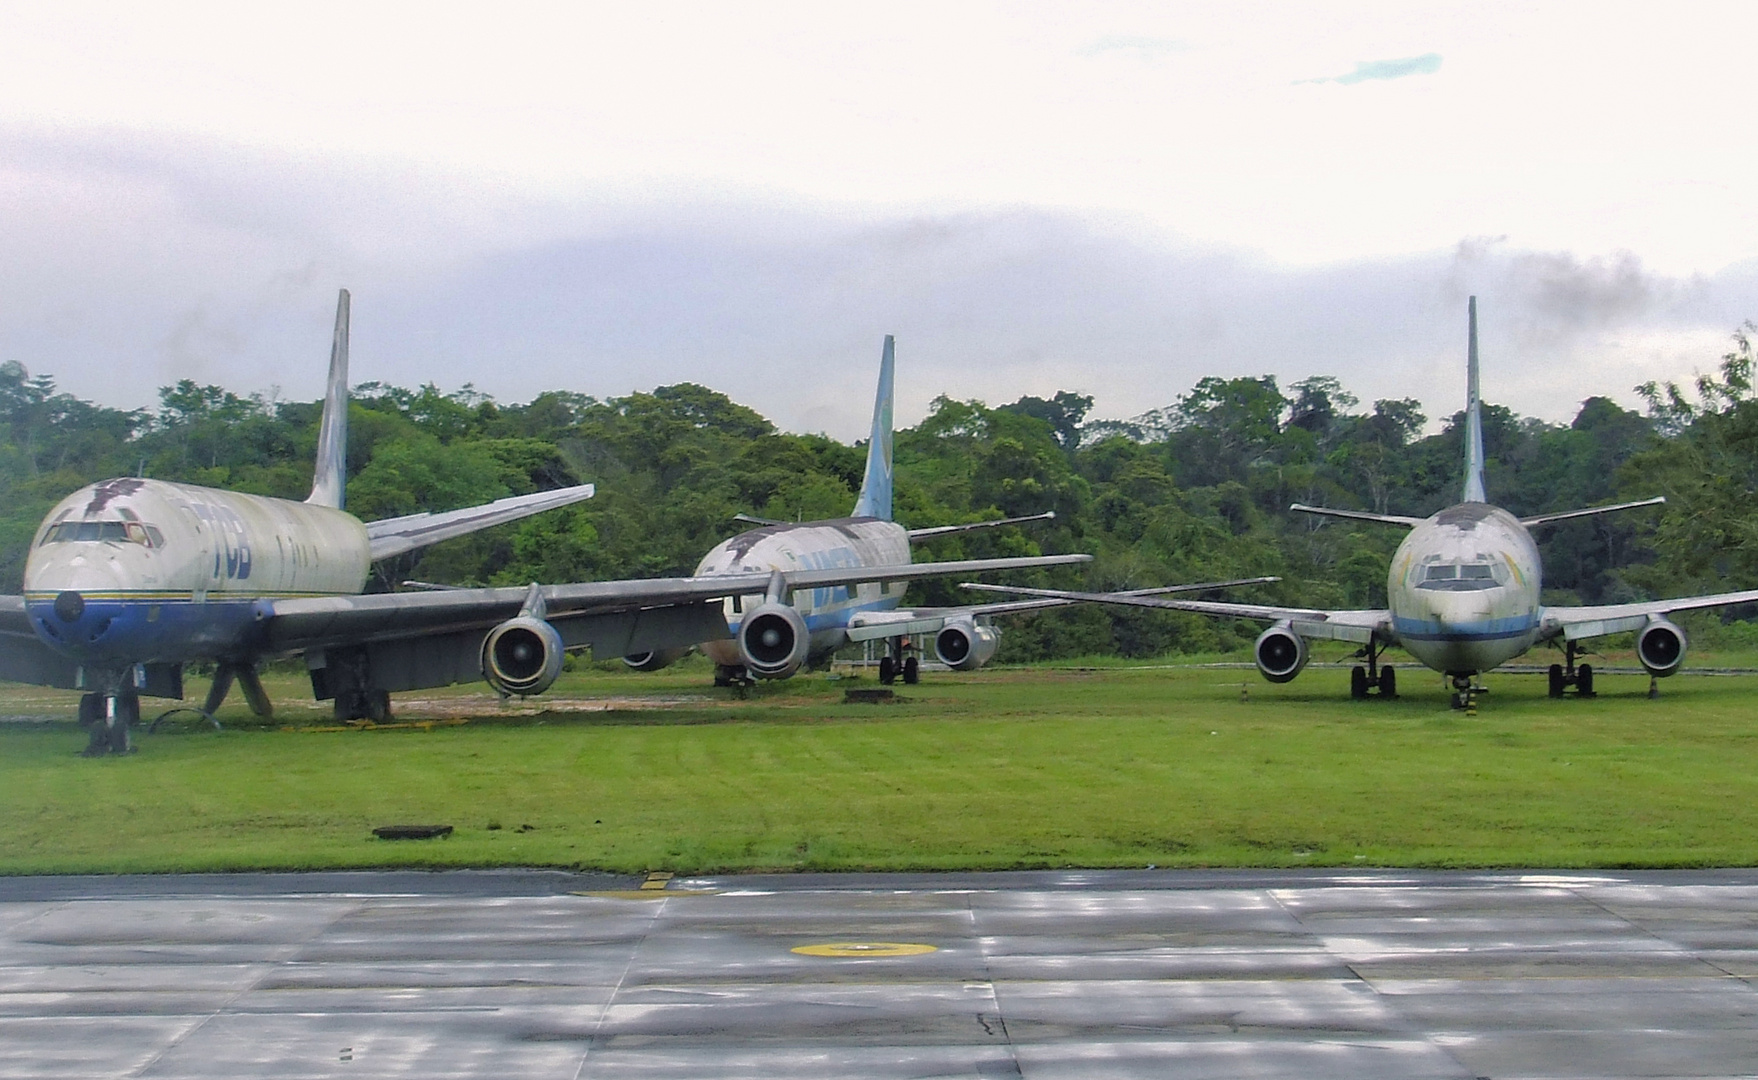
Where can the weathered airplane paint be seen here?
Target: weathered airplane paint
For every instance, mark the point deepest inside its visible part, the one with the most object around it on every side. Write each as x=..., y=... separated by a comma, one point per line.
x=1464, y=588
x=163, y=572
x=819, y=545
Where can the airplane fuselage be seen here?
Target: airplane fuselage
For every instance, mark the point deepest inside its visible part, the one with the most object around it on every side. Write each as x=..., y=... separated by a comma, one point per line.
x=1463, y=589
x=813, y=545
x=129, y=571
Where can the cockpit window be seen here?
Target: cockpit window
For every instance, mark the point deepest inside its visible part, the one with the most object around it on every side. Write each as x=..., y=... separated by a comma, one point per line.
x=119, y=532
x=1461, y=577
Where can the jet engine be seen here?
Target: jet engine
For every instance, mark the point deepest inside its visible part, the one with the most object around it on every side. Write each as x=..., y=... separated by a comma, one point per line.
x=965, y=646
x=1280, y=653
x=654, y=659
x=522, y=656
x=773, y=641
x=1661, y=647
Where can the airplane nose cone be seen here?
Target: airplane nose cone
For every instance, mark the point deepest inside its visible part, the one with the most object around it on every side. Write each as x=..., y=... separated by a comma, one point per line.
x=69, y=606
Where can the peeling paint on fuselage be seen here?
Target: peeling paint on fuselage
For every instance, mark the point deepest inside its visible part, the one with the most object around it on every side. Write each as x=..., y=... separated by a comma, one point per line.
x=1465, y=625
x=186, y=589
x=813, y=545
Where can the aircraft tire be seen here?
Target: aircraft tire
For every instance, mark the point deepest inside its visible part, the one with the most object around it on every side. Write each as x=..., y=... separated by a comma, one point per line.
x=1358, y=682
x=127, y=715
x=1556, y=680
x=91, y=709
x=887, y=671
x=911, y=671
x=1584, y=680
x=1388, y=683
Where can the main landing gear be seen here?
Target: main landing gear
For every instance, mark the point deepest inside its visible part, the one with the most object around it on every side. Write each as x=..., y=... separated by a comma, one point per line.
x=900, y=662
x=1363, y=680
x=1561, y=678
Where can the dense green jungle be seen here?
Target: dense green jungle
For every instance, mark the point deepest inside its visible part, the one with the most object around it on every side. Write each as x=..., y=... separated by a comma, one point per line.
x=1196, y=491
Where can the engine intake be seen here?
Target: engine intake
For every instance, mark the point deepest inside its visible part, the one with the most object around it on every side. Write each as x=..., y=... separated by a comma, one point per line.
x=773, y=641
x=1280, y=653
x=654, y=659
x=522, y=656
x=966, y=646
x=1661, y=647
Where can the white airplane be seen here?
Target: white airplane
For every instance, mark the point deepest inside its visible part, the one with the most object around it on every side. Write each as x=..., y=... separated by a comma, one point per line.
x=129, y=580
x=773, y=640
x=1463, y=594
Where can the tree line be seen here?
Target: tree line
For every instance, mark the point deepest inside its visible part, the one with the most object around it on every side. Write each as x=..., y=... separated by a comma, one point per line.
x=1195, y=491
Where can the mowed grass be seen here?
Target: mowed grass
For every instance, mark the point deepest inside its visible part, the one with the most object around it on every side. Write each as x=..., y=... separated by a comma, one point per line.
x=1110, y=766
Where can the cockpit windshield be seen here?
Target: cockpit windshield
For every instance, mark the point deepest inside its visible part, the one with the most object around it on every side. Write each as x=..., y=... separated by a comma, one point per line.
x=1462, y=577
x=118, y=532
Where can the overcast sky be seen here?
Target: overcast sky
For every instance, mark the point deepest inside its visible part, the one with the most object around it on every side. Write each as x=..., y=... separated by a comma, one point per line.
x=1116, y=199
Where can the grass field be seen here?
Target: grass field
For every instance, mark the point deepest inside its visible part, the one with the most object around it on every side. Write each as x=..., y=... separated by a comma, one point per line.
x=1107, y=766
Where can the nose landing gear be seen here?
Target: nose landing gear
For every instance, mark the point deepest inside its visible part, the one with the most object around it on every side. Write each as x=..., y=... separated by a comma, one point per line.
x=1581, y=678
x=1465, y=692
x=109, y=716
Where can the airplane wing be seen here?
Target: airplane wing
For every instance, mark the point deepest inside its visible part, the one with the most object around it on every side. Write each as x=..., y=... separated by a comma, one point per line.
x=394, y=536
x=872, y=625
x=1575, y=623
x=1357, y=626
x=614, y=618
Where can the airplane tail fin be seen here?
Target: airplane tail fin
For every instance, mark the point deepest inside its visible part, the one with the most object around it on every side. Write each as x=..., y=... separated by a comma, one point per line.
x=1474, y=490
x=330, y=480
x=875, y=500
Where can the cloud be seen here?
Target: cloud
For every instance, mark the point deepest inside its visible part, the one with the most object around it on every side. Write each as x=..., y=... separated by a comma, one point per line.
x=133, y=265
x=1426, y=64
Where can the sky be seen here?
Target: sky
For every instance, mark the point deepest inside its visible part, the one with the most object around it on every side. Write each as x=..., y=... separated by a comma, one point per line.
x=1115, y=199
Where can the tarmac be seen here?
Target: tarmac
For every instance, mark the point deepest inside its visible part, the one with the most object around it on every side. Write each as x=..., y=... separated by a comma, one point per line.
x=1041, y=974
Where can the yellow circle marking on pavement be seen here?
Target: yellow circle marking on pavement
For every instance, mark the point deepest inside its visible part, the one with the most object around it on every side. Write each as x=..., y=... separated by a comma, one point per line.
x=865, y=949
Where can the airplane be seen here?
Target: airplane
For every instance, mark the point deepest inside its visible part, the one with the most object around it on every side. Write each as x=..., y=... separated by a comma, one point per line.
x=1463, y=592
x=770, y=641
x=129, y=580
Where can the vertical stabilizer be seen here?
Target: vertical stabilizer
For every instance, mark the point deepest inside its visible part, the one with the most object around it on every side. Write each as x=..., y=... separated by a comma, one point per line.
x=331, y=477
x=1474, y=491
x=875, y=500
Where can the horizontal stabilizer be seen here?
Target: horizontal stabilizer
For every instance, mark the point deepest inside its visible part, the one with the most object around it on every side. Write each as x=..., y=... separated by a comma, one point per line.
x=1358, y=515
x=394, y=536
x=1546, y=519
x=752, y=519
x=942, y=530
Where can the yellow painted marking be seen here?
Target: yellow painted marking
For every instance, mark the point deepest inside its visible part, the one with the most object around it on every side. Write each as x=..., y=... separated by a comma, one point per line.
x=645, y=894
x=656, y=880
x=865, y=949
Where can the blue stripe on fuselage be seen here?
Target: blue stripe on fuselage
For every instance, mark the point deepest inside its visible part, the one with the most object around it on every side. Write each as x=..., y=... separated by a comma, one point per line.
x=1489, y=630
x=133, y=631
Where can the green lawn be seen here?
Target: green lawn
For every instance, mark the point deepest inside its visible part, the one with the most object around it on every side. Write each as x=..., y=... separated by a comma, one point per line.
x=1112, y=766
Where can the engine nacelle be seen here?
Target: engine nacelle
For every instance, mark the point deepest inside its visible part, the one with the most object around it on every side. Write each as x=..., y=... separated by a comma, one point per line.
x=966, y=646
x=522, y=656
x=654, y=659
x=1280, y=653
x=773, y=641
x=1661, y=647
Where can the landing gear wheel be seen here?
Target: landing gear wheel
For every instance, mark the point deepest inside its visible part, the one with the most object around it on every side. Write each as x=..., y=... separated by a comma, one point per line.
x=912, y=673
x=1388, y=683
x=1458, y=702
x=1358, y=682
x=1557, y=680
x=1584, y=681
x=887, y=671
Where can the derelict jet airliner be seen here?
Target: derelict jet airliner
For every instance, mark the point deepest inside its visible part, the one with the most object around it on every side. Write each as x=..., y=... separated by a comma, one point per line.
x=129, y=580
x=1463, y=594
x=772, y=637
